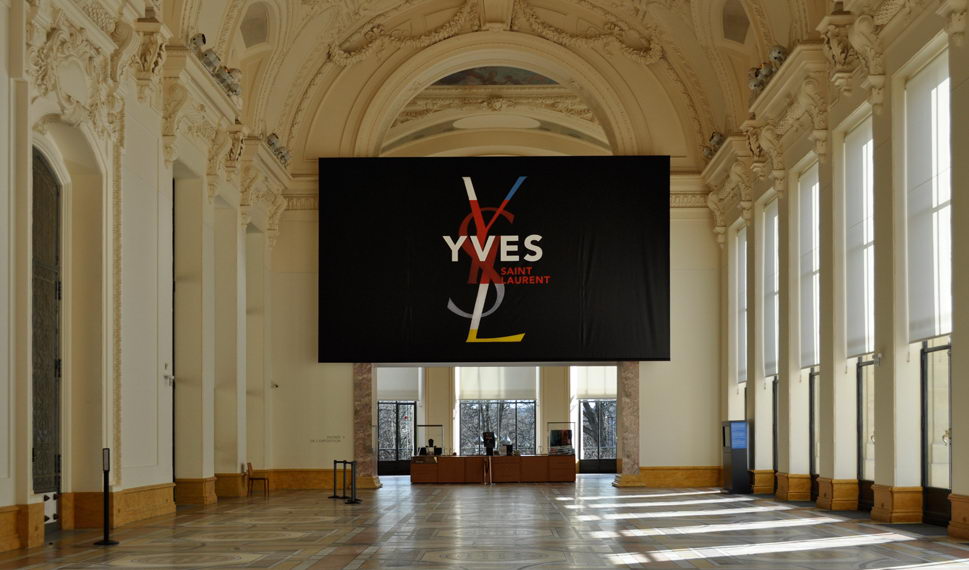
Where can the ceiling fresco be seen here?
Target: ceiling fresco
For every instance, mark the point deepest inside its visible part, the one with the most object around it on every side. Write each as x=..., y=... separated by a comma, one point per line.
x=495, y=75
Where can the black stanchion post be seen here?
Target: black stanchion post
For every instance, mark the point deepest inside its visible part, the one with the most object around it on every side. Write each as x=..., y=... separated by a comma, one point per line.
x=106, y=468
x=334, y=496
x=353, y=484
x=344, y=480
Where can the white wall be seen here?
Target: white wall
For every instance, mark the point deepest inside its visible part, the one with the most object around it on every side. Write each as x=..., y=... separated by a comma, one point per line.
x=680, y=400
x=313, y=406
x=146, y=399
x=6, y=259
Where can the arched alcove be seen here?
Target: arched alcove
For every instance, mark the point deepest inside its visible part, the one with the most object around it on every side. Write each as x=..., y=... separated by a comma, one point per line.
x=84, y=366
x=498, y=49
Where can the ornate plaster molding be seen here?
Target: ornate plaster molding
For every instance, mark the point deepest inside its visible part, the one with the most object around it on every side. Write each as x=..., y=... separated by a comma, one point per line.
x=614, y=36
x=954, y=12
x=65, y=42
x=377, y=37
x=841, y=56
x=691, y=200
x=863, y=37
x=566, y=104
x=150, y=57
x=302, y=202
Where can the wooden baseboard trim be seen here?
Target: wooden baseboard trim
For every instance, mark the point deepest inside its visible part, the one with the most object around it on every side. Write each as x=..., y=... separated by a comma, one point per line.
x=86, y=509
x=897, y=504
x=195, y=491
x=303, y=479
x=21, y=526
x=673, y=477
x=230, y=485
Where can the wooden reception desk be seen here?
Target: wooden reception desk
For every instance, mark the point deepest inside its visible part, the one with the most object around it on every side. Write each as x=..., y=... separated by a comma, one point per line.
x=505, y=469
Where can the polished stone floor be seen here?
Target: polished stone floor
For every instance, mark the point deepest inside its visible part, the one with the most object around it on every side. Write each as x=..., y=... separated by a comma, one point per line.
x=586, y=525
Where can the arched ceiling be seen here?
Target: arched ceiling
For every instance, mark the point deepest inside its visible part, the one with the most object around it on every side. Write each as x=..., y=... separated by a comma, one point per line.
x=403, y=77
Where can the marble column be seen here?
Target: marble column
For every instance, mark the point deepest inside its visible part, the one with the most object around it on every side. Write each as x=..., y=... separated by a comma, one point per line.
x=759, y=395
x=363, y=403
x=258, y=378
x=628, y=420
x=793, y=479
x=194, y=344
x=959, y=80
x=897, y=489
x=230, y=352
x=838, y=469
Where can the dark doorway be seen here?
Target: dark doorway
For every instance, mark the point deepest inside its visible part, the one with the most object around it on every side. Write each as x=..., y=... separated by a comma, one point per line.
x=936, y=435
x=597, y=446
x=396, y=436
x=775, y=427
x=814, y=419
x=46, y=338
x=866, y=433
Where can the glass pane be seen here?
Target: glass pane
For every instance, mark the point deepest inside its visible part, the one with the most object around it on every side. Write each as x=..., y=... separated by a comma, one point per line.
x=526, y=427
x=470, y=428
x=607, y=436
x=405, y=421
x=386, y=431
x=507, y=430
x=937, y=419
x=590, y=429
x=816, y=415
x=868, y=422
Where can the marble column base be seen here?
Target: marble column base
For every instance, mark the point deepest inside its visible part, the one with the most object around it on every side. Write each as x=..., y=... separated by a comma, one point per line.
x=897, y=504
x=762, y=481
x=959, y=523
x=837, y=494
x=793, y=487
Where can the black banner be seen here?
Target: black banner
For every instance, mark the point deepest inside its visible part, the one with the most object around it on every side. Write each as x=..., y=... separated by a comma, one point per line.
x=506, y=259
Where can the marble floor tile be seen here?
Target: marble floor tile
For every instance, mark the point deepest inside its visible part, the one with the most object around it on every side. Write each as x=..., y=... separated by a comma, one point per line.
x=586, y=525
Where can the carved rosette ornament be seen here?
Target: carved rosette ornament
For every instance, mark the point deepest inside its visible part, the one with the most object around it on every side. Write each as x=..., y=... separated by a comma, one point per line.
x=840, y=54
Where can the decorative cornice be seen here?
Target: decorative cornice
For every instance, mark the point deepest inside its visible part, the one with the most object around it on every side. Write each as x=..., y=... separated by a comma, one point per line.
x=692, y=200
x=566, y=104
x=302, y=202
x=150, y=56
x=841, y=56
x=954, y=12
x=863, y=37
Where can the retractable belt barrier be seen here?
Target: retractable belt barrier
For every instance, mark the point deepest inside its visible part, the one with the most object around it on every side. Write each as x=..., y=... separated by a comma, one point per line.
x=352, y=498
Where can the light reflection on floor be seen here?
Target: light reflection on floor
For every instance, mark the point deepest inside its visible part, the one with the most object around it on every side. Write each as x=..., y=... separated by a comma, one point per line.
x=502, y=526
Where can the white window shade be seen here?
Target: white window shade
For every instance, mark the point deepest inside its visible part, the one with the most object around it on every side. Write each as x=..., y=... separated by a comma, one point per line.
x=771, y=289
x=742, y=304
x=927, y=166
x=497, y=382
x=398, y=383
x=594, y=381
x=859, y=241
x=809, y=265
